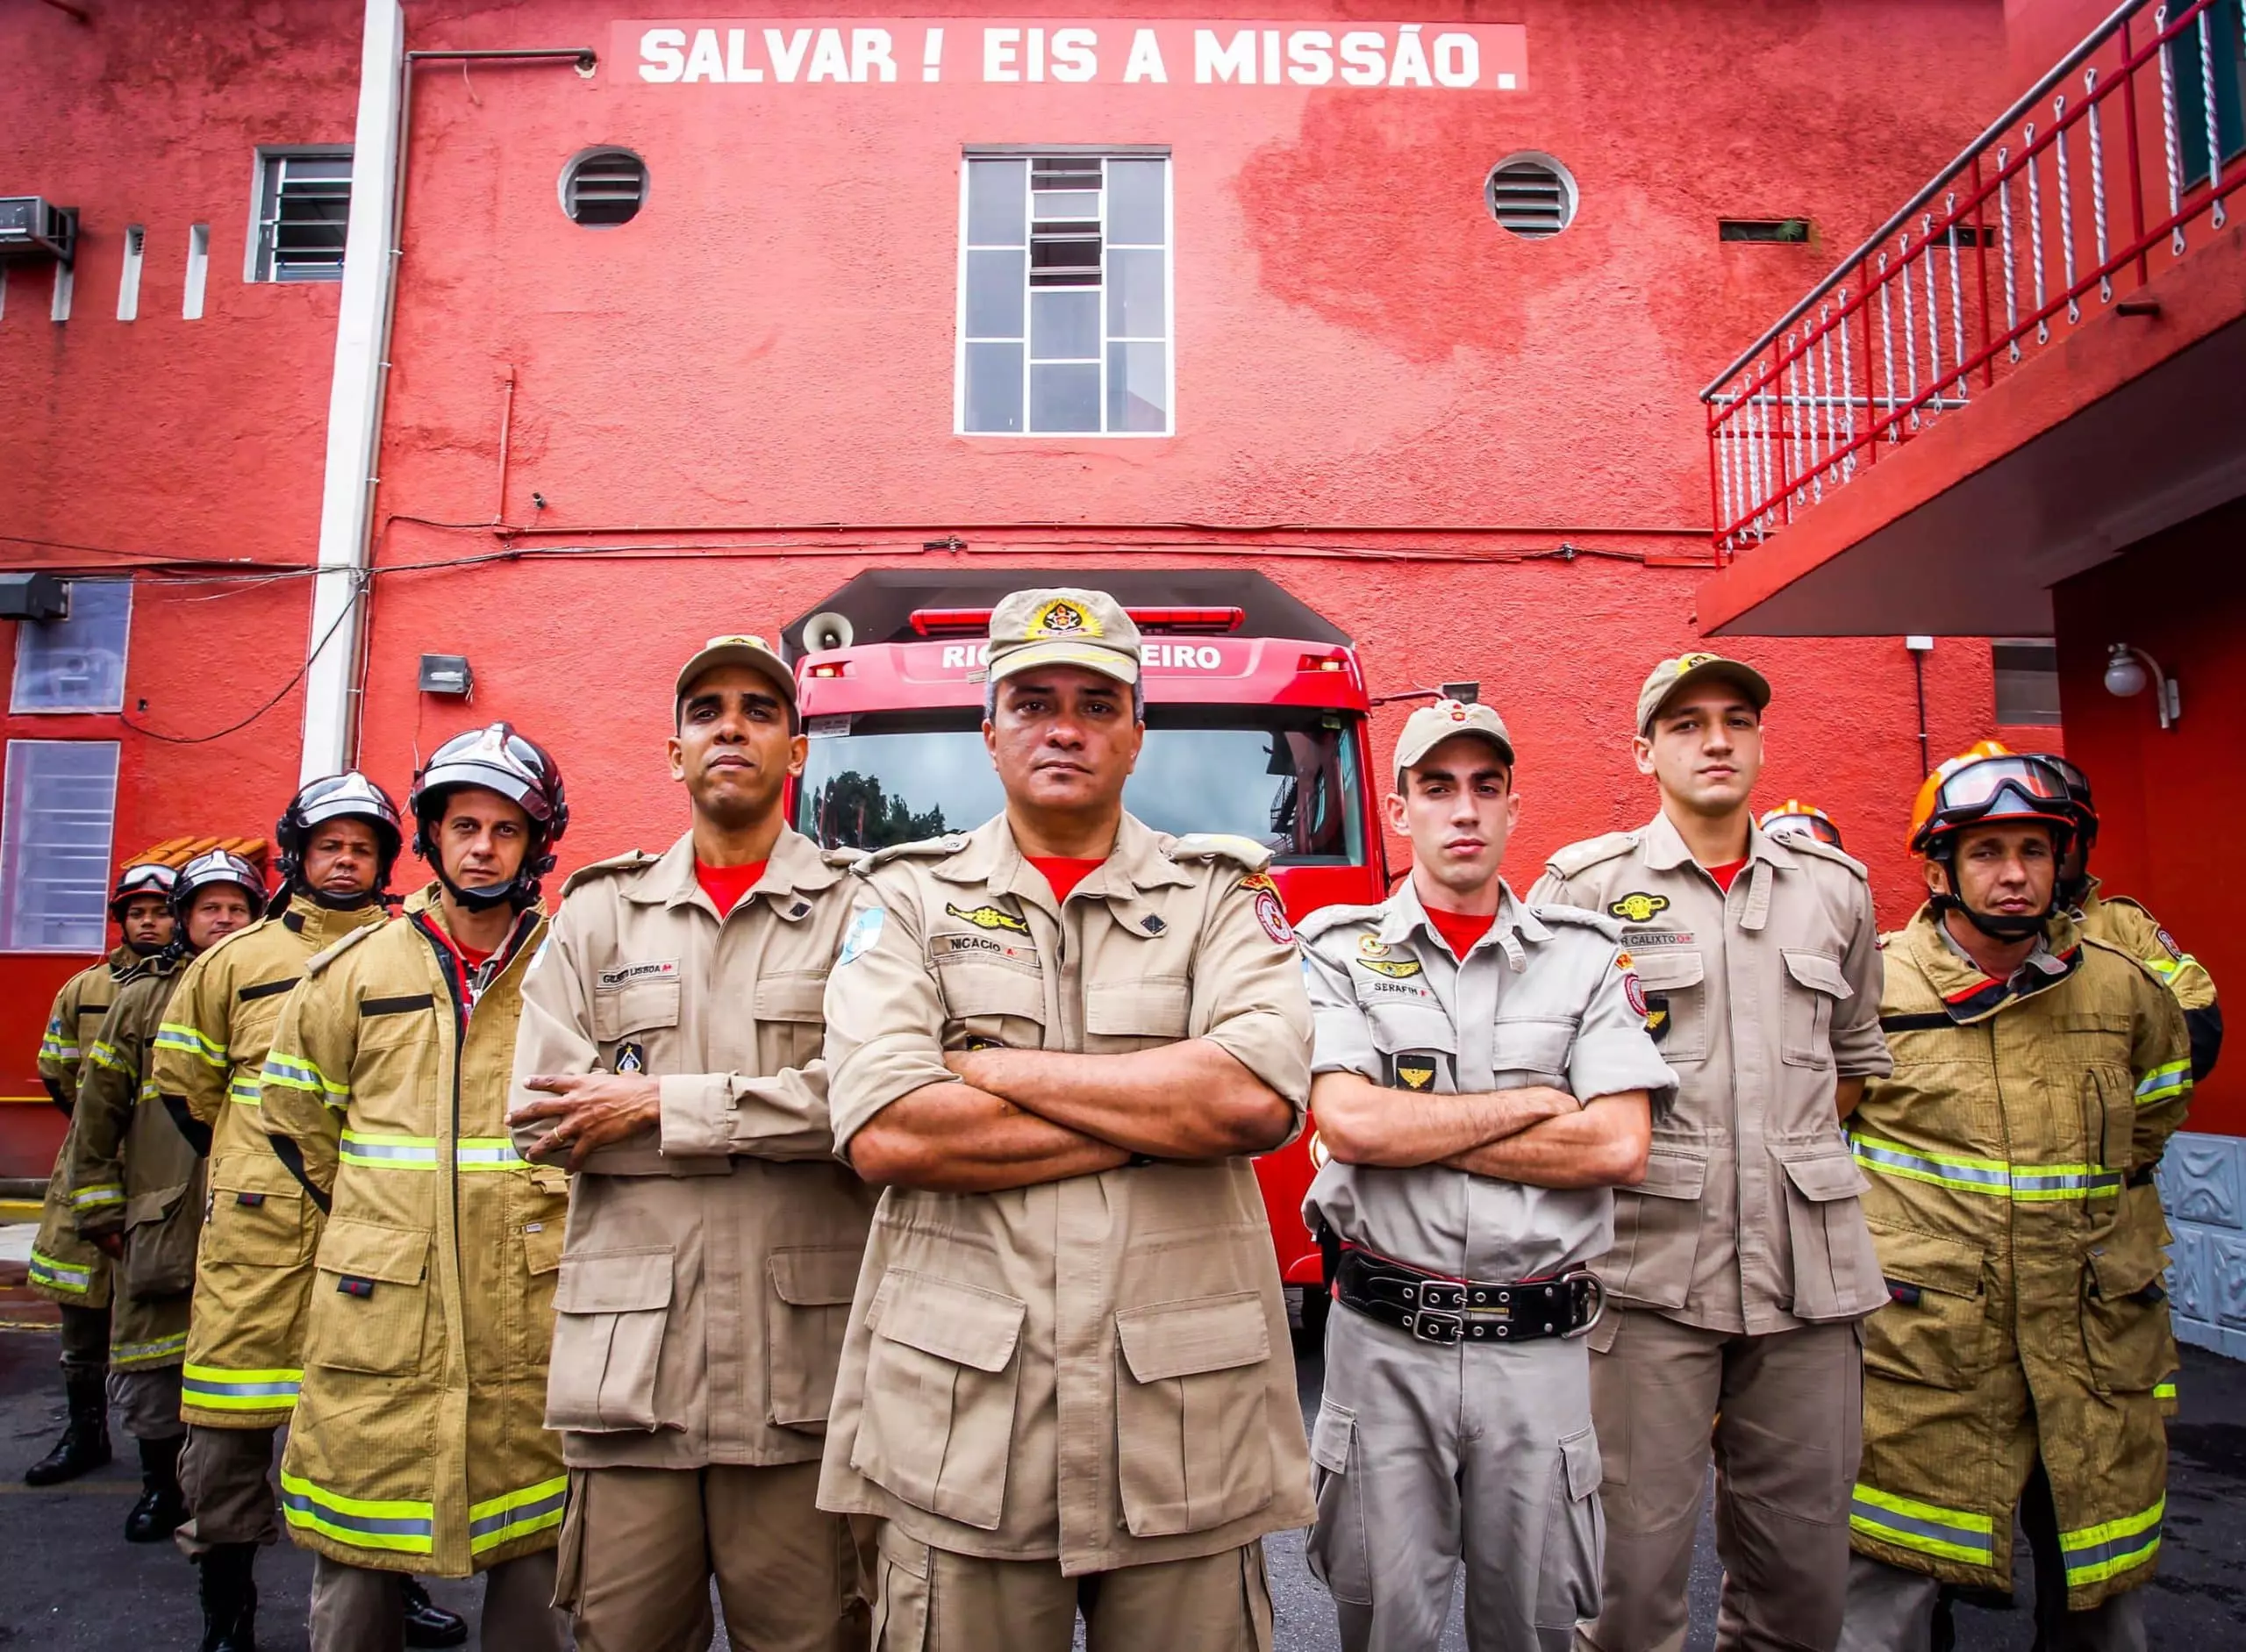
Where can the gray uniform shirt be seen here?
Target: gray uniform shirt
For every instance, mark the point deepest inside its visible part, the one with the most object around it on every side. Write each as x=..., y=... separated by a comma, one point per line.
x=1543, y=999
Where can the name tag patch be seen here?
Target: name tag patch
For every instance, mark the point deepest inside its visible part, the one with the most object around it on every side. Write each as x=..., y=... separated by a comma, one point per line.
x=1659, y=938
x=633, y=973
x=946, y=948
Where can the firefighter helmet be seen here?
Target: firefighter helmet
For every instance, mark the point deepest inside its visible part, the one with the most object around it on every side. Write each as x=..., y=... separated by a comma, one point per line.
x=1794, y=818
x=497, y=759
x=216, y=866
x=350, y=795
x=1991, y=782
x=143, y=878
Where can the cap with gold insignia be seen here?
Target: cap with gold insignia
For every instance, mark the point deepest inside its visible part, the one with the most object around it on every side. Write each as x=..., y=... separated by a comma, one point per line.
x=757, y=654
x=1670, y=677
x=1430, y=725
x=1061, y=626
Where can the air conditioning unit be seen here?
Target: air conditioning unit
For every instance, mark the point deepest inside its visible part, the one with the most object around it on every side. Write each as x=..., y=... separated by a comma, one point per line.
x=36, y=598
x=30, y=228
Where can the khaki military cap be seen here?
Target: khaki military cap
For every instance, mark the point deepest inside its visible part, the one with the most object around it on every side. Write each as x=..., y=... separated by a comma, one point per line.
x=1430, y=725
x=1672, y=675
x=1063, y=627
x=752, y=652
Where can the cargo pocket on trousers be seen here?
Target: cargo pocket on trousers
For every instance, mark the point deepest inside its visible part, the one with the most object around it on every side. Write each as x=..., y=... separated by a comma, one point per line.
x=1338, y=1553
x=1658, y=1226
x=1574, y=1537
x=2125, y=1324
x=1934, y=1329
x=809, y=1320
x=941, y=1377
x=902, y=1597
x=371, y=1304
x=1815, y=985
x=569, y=1555
x=1193, y=1440
x=610, y=1310
x=1832, y=1258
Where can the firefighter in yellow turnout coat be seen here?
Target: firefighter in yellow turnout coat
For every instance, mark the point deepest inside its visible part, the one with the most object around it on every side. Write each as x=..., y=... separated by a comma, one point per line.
x=67, y=1271
x=417, y=1442
x=2038, y=1074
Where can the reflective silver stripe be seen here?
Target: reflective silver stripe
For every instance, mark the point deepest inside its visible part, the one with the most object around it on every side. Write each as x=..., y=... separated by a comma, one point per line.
x=516, y=1514
x=95, y=1194
x=403, y=1526
x=1951, y=1533
x=390, y=1152
x=488, y=1153
x=145, y=1353
x=55, y=1275
x=1980, y=1176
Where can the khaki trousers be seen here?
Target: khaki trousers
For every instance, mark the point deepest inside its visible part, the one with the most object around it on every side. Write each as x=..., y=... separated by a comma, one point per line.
x=228, y=1474
x=357, y=1609
x=1785, y=1414
x=1892, y=1610
x=147, y=1401
x=1426, y=1458
x=640, y=1545
x=932, y=1601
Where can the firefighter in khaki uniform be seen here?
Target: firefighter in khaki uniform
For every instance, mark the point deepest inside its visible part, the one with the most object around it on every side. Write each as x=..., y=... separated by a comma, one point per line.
x=670, y=1048
x=338, y=838
x=127, y=1145
x=1483, y=1077
x=2121, y=922
x=2038, y=1074
x=1056, y=1041
x=1741, y=1263
x=416, y=1443
x=69, y=1272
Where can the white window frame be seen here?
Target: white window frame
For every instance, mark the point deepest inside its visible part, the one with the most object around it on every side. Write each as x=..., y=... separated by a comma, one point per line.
x=123, y=666
x=109, y=847
x=256, y=260
x=1105, y=151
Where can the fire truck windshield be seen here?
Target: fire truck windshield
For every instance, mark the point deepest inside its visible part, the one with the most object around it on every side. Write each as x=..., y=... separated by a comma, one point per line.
x=1286, y=779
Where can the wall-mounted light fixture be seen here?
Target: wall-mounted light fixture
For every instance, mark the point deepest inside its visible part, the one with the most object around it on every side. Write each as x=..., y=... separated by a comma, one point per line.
x=447, y=674
x=2125, y=673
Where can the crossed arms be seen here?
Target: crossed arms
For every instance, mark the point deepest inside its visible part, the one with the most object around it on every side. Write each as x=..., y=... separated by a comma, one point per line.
x=1537, y=1134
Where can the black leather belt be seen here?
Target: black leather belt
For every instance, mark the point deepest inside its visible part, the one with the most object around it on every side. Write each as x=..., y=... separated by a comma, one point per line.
x=1433, y=1309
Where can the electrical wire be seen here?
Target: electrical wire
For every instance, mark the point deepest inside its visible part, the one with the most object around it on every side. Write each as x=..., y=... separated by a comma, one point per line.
x=279, y=694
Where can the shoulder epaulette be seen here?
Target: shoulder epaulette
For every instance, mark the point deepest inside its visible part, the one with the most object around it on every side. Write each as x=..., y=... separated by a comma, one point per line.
x=630, y=861
x=1245, y=852
x=1314, y=925
x=919, y=849
x=1578, y=857
x=1556, y=913
x=1824, y=851
x=848, y=860
x=319, y=961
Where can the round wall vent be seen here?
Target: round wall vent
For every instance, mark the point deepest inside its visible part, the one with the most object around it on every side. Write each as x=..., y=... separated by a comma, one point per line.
x=1532, y=194
x=603, y=188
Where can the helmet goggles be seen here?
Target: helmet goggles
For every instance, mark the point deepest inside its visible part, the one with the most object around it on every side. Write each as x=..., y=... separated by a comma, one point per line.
x=2009, y=787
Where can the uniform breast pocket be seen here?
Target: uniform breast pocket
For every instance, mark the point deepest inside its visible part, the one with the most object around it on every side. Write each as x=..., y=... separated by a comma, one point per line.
x=1120, y=1016
x=1814, y=984
x=1194, y=1445
x=371, y=1299
x=791, y=1005
x=1417, y=1046
x=811, y=1288
x=610, y=1311
x=989, y=1002
x=634, y=1013
x=1833, y=1259
x=1673, y=979
x=1657, y=1225
x=1934, y=1330
x=253, y=1225
x=1532, y=1050
x=941, y=1376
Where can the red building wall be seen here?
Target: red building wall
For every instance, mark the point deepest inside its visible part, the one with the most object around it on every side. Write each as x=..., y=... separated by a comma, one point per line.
x=2170, y=801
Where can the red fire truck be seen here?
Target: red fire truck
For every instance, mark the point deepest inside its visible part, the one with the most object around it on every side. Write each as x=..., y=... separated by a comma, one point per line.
x=1256, y=726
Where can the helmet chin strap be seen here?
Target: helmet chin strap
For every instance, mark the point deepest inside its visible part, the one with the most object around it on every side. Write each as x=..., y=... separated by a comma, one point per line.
x=1995, y=925
x=144, y=950
x=510, y=893
x=326, y=902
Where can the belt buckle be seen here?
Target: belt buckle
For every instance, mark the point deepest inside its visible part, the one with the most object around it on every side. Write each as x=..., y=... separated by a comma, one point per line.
x=1598, y=1301
x=1430, y=1325
x=1440, y=1295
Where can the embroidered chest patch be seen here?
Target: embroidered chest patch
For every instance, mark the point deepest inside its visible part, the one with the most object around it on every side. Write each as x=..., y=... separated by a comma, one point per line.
x=633, y=973
x=988, y=917
x=1638, y=905
x=1394, y=968
x=945, y=948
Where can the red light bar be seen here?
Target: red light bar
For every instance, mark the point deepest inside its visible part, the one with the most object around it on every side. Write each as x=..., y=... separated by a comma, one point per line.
x=941, y=622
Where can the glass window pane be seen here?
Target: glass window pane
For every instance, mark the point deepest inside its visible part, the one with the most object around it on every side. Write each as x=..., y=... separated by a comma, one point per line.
x=1135, y=301
x=994, y=295
x=1134, y=202
x=76, y=664
x=1064, y=326
x=1138, y=394
x=1065, y=398
x=1048, y=204
x=994, y=387
x=55, y=844
x=996, y=213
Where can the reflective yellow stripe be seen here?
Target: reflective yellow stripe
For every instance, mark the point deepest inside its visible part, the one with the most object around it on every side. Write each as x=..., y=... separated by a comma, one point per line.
x=2164, y=1390
x=246, y=1091
x=294, y=1072
x=189, y=1041
x=401, y=1527
x=1927, y=1527
x=52, y=1048
x=213, y=1388
x=2096, y=1553
x=96, y=1196
x=156, y=1353
x=2026, y=1183
x=488, y=1153
x=104, y=1055
x=375, y=1152
x=59, y=1276
x=502, y=1519
x=2164, y=1084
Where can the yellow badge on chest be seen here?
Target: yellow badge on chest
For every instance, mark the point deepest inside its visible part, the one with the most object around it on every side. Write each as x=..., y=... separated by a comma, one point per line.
x=988, y=918
x=1394, y=968
x=1638, y=905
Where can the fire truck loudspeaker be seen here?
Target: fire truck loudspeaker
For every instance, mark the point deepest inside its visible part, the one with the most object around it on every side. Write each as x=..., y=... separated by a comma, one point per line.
x=827, y=631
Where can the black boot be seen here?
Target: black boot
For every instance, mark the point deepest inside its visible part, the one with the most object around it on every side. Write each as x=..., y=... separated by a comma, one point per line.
x=229, y=1598
x=84, y=1445
x=427, y=1623
x=162, y=1508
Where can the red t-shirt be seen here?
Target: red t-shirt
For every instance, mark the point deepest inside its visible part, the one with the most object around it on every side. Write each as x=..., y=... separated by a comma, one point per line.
x=471, y=957
x=725, y=885
x=1459, y=930
x=1064, y=872
x=1724, y=874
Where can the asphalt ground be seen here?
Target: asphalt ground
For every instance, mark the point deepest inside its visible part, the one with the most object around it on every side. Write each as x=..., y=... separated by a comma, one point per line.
x=69, y=1581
